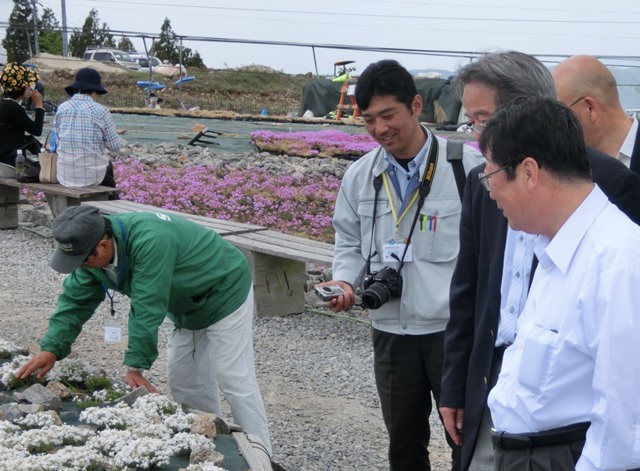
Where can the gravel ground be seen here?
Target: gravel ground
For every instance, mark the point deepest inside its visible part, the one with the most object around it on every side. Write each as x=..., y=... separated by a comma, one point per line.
x=315, y=371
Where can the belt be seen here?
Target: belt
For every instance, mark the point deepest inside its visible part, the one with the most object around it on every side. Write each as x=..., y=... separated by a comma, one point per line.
x=498, y=352
x=556, y=436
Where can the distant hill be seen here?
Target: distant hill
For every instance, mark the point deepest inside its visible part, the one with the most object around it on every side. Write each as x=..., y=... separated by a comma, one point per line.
x=445, y=73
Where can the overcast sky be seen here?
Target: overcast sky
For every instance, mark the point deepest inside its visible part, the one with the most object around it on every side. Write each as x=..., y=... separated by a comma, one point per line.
x=562, y=27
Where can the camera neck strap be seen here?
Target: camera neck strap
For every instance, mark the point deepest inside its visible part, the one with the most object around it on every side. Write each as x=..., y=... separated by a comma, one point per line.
x=422, y=193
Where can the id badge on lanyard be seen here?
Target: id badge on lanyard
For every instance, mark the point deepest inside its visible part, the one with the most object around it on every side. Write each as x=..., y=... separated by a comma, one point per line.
x=392, y=250
x=112, y=331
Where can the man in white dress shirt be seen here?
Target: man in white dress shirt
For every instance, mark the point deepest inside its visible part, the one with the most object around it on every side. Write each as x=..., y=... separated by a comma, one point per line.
x=567, y=395
x=588, y=87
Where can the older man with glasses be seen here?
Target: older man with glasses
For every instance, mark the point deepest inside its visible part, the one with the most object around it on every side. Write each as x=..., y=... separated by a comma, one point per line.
x=495, y=264
x=565, y=399
x=604, y=122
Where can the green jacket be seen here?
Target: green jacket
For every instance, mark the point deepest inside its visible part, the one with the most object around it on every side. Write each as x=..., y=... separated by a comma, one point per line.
x=167, y=266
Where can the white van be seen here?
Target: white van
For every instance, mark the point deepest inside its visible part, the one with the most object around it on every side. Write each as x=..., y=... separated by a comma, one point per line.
x=143, y=60
x=108, y=54
x=163, y=68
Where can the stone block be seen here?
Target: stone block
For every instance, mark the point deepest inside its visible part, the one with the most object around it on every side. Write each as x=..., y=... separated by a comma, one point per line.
x=38, y=394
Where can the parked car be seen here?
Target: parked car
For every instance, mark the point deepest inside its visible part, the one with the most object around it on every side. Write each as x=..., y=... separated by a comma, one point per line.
x=143, y=60
x=159, y=67
x=108, y=54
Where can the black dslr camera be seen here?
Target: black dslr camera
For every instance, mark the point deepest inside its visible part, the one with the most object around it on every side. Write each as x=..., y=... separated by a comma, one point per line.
x=380, y=286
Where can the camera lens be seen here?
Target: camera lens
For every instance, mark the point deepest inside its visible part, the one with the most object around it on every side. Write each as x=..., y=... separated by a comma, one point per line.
x=375, y=295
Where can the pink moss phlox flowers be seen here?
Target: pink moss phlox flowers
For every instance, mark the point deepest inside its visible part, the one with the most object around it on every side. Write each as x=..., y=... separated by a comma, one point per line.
x=327, y=143
x=300, y=206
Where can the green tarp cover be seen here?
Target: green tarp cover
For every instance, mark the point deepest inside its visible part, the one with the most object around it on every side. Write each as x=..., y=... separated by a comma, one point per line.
x=321, y=96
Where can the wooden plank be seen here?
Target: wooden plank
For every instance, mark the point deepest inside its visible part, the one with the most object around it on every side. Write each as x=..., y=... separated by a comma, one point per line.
x=221, y=226
x=59, y=190
x=253, y=451
x=280, y=236
x=295, y=249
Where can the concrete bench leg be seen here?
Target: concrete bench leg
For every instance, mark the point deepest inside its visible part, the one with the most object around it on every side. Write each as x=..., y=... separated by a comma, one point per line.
x=57, y=204
x=279, y=284
x=9, y=197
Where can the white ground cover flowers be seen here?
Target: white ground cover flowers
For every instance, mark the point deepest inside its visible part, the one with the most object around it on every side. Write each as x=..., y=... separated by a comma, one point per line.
x=6, y=348
x=204, y=467
x=8, y=368
x=145, y=435
x=72, y=370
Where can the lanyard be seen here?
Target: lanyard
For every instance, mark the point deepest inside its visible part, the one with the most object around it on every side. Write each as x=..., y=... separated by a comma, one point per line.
x=120, y=270
x=423, y=192
x=393, y=209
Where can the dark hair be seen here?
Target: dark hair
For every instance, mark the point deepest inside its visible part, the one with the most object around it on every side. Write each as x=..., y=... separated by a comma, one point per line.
x=15, y=94
x=541, y=128
x=107, y=234
x=510, y=74
x=108, y=231
x=384, y=78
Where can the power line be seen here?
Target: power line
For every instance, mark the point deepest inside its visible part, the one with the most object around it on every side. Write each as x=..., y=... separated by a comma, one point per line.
x=374, y=15
x=464, y=54
x=485, y=6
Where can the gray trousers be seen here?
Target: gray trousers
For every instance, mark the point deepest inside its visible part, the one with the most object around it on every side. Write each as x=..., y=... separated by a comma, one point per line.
x=482, y=459
x=544, y=458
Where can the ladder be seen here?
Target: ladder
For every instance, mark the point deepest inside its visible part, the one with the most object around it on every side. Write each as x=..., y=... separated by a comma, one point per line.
x=348, y=91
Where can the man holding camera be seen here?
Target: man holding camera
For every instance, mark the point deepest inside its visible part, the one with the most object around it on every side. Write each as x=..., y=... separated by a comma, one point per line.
x=396, y=222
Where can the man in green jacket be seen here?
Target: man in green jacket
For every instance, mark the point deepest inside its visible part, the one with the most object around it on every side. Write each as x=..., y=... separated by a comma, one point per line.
x=168, y=267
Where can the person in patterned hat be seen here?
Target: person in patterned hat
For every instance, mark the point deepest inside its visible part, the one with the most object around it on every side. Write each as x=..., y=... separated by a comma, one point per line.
x=35, y=82
x=14, y=120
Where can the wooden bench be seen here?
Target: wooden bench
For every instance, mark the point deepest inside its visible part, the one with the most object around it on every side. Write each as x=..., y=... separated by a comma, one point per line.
x=278, y=261
x=221, y=226
x=10, y=195
x=279, y=264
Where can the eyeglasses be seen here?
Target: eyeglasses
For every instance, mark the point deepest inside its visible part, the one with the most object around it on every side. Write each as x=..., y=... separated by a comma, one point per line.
x=579, y=99
x=475, y=128
x=484, y=177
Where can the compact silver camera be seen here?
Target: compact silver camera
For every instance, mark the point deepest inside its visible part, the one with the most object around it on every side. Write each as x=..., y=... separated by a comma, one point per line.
x=327, y=293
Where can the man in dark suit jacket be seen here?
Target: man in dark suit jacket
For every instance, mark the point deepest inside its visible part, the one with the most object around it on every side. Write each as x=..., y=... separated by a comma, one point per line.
x=588, y=87
x=472, y=361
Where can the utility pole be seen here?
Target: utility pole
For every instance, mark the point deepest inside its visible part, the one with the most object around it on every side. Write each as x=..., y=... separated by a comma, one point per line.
x=65, y=44
x=36, y=39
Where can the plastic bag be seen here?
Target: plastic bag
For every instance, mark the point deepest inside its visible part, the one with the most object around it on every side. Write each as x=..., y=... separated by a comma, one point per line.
x=27, y=170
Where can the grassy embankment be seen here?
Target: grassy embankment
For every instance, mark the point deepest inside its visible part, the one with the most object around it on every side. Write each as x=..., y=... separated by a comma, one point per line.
x=239, y=91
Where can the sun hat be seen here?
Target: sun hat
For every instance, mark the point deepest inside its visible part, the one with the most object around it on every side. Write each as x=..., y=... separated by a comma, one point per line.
x=32, y=76
x=77, y=230
x=87, y=79
x=14, y=77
